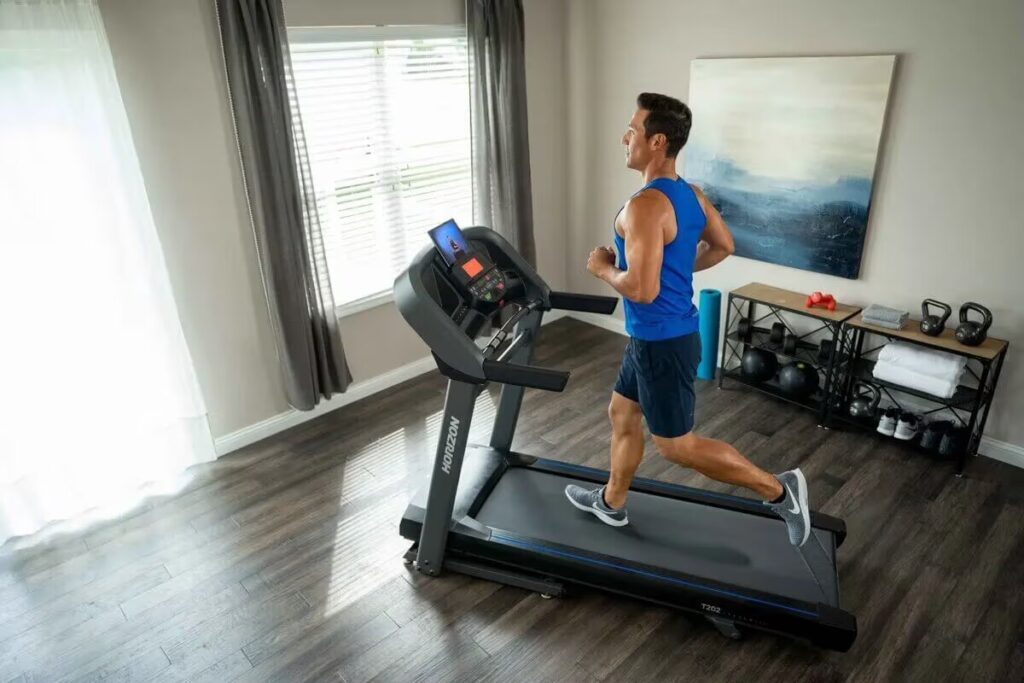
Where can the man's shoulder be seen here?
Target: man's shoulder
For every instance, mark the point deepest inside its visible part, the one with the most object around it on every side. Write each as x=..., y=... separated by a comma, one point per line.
x=648, y=201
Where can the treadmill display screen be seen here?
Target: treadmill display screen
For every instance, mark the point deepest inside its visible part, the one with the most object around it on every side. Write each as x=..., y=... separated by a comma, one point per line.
x=450, y=242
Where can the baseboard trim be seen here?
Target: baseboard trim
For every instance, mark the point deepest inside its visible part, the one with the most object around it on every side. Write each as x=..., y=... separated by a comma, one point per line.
x=1010, y=453
x=357, y=391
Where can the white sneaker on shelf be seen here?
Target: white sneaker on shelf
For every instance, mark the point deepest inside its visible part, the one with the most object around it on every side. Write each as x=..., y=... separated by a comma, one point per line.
x=907, y=427
x=887, y=423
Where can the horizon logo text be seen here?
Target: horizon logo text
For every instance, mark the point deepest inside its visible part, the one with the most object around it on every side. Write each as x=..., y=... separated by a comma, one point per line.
x=449, y=446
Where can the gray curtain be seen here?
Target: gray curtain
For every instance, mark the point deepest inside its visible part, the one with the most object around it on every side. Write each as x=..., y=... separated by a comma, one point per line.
x=282, y=205
x=501, y=145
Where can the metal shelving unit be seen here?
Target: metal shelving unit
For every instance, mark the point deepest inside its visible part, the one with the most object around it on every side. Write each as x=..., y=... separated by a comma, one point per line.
x=762, y=304
x=852, y=360
x=969, y=406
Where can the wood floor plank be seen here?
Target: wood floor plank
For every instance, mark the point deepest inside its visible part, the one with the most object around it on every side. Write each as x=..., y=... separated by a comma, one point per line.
x=452, y=657
x=397, y=646
x=680, y=649
x=209, y=642
x=319, y=656
x=36, y=650
x=143, y=668
x=551, y=649
x=977, y=586
x=228, y=669
x=993, y=654
x=514, y=623
x=605, y=655
x=330, y=619
x=19, y=561
x=900, y=633
x=132, y=640
x=103, y=595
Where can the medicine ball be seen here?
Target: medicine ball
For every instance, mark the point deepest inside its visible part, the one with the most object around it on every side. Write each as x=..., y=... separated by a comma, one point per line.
x=758, y=365
x=798, y=379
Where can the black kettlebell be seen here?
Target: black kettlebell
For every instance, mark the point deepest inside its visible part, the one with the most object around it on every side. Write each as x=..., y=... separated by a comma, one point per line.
x=865, y=404
x=933, y=325
x=933, y=434
x=970, y=332
x=952, y=443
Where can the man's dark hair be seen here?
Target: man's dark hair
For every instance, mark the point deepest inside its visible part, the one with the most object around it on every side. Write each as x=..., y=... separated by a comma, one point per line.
x=668, y=116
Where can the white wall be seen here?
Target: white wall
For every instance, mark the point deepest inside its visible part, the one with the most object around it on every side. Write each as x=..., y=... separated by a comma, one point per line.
x=169, y=67
x=944, y=222
x=172, y=83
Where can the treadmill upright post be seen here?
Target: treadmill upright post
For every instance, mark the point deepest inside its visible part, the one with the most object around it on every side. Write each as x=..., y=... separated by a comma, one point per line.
x=507, y=417
x=444, y=480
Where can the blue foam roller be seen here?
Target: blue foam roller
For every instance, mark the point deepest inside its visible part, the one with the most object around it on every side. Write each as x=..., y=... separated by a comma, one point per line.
x=710, y=317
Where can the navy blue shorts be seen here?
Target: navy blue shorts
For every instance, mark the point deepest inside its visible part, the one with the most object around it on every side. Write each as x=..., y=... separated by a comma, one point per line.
x=659, y=376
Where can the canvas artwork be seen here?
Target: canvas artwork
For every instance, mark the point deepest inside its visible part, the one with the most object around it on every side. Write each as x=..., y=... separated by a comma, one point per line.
x=786, y=148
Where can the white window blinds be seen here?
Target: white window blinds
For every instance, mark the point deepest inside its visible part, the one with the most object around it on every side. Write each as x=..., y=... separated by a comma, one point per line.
x=387, y=124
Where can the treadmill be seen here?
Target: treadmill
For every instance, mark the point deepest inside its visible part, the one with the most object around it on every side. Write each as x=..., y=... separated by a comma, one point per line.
x=496, y=514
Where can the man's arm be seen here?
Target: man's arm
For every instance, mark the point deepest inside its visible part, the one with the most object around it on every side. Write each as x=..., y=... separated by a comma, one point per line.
x=716, y=236
x=645, y=249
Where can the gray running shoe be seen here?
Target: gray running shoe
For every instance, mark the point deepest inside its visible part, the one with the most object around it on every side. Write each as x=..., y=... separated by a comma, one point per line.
x=592, y=501
x=793, y=508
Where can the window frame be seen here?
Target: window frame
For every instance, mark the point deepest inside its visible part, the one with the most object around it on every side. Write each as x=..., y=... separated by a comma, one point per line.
x=336, y=34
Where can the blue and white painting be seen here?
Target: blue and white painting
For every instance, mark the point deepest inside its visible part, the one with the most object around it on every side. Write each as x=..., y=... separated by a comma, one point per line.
x=786, y=148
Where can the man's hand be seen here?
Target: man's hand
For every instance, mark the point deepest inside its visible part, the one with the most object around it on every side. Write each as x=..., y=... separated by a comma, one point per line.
x=600, y=260
x=716, y=242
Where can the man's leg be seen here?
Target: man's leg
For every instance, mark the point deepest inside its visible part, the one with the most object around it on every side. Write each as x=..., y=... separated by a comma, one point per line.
x=668, y=400
x=606, y=503
x=627, y=448
x=786, y=493
x=720, y=461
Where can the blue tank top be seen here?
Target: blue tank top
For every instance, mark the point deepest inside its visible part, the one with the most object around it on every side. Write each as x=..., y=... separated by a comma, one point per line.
x=672, y=313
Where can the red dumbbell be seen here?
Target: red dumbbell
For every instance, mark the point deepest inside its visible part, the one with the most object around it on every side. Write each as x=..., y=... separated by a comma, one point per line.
x=823, y=300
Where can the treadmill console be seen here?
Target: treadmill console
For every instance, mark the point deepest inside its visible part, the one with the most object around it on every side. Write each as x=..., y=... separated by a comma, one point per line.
x=471, y=269
x=472, y=283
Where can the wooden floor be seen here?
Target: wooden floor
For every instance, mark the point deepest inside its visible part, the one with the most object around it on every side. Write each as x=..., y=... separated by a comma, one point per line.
x=281, y=562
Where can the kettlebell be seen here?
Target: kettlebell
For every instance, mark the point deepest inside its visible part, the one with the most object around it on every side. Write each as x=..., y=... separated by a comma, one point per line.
x=865, y=404
x=933, y=325
x=931, y=439
x=970, y=332
x=952, y=443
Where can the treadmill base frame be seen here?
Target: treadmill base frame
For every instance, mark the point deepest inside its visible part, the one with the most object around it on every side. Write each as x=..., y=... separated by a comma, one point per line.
x=504, y=556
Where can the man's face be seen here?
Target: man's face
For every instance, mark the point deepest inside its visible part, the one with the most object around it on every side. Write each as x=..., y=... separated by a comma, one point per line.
x=639, y=149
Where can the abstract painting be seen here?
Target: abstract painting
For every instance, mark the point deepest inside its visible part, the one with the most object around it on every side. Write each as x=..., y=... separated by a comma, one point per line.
x=786, y=148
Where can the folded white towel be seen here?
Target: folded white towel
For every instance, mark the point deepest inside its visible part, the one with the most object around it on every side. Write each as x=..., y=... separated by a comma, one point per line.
x=947, y=367
x=915, y=380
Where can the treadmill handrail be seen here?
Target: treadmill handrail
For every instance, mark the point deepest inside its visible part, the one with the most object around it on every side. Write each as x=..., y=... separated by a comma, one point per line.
x=587, y=303
x=499, y=337
x=525, y=375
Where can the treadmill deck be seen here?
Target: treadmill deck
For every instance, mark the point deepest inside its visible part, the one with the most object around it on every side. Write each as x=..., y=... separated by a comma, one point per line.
x=741, y=549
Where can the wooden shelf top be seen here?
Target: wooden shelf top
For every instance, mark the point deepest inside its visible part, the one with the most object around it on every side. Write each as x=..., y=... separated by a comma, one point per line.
x=987, y=350
x=794, y=301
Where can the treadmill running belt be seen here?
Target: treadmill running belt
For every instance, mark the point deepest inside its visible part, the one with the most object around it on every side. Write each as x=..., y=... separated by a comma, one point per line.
x=744, y=550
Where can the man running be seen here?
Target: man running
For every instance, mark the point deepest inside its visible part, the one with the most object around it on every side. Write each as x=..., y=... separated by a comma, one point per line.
x=663, y=234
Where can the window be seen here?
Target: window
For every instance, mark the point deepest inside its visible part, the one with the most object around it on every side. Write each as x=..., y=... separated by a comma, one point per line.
x=385, y=112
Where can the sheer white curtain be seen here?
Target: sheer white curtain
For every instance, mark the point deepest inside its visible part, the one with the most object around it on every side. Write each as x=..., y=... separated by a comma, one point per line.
x=99, y=404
